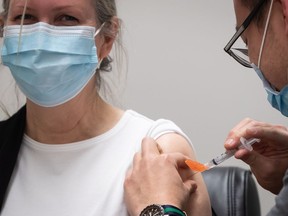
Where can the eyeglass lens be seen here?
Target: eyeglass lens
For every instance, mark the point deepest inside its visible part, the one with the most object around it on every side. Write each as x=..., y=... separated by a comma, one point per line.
x=239, y=49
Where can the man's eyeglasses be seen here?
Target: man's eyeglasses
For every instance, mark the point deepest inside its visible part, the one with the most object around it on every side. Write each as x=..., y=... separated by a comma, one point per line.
x=241, y=54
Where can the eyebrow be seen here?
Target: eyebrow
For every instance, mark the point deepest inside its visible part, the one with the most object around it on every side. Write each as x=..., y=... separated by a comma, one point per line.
x=31, y=9
x=20, y=8
x=64, y=7
x=76, y=8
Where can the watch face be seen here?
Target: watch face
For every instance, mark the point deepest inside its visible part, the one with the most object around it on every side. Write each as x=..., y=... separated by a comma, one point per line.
x=152, y=210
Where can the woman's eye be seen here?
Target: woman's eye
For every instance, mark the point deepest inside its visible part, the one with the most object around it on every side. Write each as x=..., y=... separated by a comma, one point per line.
x=68, y=20
x=27, y=18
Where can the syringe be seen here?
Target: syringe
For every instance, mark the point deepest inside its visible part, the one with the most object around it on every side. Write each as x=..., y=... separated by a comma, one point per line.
x=245, y=144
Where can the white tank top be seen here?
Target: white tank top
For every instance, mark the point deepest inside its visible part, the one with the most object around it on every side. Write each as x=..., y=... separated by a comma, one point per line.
x=82, y=178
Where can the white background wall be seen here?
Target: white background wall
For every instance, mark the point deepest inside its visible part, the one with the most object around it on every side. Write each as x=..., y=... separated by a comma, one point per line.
x=177, y=69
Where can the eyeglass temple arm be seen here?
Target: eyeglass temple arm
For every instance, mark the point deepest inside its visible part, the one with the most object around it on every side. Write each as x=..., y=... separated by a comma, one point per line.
x=243, y=27
x=234, y=38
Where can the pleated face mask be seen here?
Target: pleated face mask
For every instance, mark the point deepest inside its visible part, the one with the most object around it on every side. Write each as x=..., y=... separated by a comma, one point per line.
x=51, y=64
x=278, y=100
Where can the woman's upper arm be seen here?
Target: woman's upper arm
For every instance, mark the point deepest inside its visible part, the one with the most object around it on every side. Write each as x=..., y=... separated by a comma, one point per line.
x=199, y=201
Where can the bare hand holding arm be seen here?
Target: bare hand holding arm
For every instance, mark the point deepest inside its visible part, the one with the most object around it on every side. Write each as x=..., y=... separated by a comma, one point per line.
x=155, y=179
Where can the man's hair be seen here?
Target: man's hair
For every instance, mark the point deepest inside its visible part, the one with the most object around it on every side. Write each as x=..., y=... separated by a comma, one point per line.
x=250, y=4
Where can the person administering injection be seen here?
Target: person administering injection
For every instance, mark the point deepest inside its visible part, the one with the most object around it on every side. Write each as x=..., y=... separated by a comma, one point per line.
x=262, y=25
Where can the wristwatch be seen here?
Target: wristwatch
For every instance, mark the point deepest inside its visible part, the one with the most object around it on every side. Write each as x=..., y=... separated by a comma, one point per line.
x=162, y=210
x=153, y=210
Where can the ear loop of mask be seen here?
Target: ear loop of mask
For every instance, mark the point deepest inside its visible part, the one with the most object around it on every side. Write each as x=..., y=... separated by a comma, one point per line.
x=21, y=26
x=265, y=33
x=98, y=65
x=99, y=29
x=96, y=33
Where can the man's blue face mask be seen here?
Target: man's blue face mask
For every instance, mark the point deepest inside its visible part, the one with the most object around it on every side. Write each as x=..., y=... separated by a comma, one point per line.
x=51, y=64
x=279, y=100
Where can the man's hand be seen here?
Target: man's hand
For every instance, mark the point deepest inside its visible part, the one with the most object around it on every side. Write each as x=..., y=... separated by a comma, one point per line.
x=154, y=179
x=269, y=159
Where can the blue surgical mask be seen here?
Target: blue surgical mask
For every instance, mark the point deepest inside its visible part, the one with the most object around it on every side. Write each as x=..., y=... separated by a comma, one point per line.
x=51, y=64
x=279, y=100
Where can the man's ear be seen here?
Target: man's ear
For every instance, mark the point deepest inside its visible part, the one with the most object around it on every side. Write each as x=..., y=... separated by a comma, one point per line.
x=285, y=14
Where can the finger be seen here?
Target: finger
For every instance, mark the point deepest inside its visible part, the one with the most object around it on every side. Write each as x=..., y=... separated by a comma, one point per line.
x=128, y=173
x=159, y=148
x=242, y=154
x=235, y=133
x=190, y=185
x=272, y=132
x=276, y=135
x=253, y=159
x=136, y=158
x=241, y=124
x=178, y=159
x=247, y=129
x=149, y=146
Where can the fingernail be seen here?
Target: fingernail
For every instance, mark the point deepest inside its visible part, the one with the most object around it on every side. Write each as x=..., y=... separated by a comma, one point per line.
x=230, y=141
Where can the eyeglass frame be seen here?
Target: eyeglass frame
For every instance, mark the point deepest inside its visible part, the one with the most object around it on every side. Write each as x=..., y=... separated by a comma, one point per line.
x=238, y=33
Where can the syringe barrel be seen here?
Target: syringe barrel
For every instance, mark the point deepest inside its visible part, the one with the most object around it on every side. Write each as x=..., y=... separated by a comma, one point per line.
x=219, y=159
x=245, y=144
